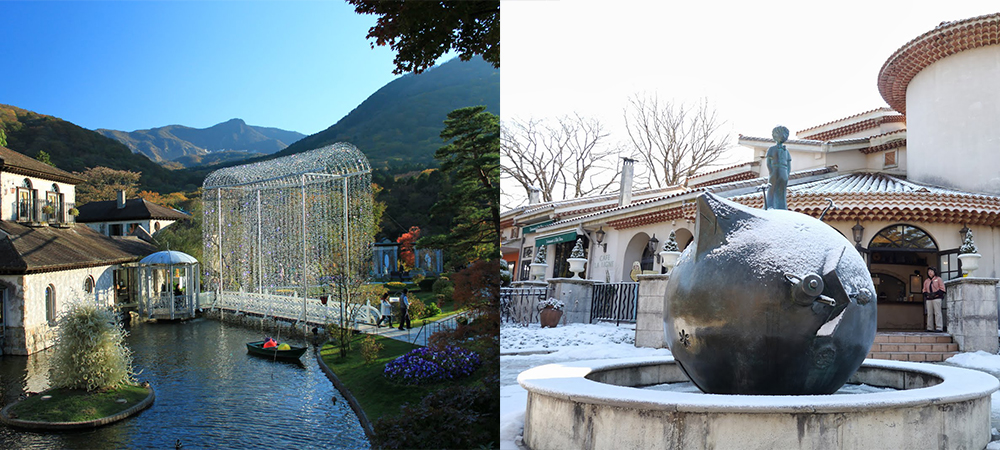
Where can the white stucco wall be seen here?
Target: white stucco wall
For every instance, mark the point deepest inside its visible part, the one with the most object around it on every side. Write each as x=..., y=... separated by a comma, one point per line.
x=9, y=182
x=150, y=225
x=953, y=117
x=27, y=329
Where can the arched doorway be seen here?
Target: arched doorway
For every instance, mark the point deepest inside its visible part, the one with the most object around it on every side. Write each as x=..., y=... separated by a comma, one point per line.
x=898, y=259
x=637, y=250
x=684, y=238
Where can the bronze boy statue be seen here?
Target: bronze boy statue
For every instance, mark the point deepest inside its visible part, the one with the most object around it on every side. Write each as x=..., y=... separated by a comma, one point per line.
x=779, y=164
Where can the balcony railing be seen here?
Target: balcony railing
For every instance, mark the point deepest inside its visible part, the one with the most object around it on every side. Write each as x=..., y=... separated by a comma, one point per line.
x=34, y=212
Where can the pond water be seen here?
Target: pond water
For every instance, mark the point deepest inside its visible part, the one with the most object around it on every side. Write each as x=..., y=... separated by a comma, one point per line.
x=209, y=394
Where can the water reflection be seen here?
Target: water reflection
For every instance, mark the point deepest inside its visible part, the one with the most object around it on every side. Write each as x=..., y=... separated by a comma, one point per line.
x=209, y=394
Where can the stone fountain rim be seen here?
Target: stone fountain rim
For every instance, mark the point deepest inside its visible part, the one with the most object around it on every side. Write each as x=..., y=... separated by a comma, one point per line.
x=569, y=381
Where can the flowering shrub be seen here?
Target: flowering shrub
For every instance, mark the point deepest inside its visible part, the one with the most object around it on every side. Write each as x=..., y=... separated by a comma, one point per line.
x=395, y=286
x=370, y=348
x=426, y=365
x=552, y=302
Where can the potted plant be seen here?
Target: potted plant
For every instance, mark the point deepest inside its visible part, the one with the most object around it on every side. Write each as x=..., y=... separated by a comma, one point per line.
x=576, y=259
x=550, y=311
x=74, y=212
x=48, y=210
x=670, y=253
x=538, y=265
x=969, y=255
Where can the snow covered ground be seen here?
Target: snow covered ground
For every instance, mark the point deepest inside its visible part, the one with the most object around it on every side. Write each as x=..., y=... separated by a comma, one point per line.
x=522, y=348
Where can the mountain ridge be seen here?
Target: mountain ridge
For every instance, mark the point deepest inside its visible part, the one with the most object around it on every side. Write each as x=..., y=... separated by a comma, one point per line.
x=174, y=142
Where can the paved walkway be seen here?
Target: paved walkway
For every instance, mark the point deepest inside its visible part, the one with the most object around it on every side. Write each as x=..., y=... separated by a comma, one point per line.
x=413, y=335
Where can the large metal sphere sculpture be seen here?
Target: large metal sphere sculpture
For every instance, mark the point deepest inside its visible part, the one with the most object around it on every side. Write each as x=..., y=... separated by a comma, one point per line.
x=768, y=302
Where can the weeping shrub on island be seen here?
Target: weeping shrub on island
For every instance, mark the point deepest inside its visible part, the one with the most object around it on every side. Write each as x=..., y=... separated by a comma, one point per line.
x=90, y=351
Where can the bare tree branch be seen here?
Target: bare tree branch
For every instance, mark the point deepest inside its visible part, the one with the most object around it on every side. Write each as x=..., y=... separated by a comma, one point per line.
x=674, y=141
x=564, y=158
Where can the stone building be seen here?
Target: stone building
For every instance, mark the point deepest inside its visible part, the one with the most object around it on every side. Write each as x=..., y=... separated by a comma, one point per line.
x=905, y=181
x=46, y=260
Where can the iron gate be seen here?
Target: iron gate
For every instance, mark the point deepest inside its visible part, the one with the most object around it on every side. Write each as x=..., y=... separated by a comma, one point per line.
x=614, y=302
x=520, y=305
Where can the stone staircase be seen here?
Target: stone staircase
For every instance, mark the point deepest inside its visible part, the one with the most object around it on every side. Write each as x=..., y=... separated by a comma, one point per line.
x=913, y=346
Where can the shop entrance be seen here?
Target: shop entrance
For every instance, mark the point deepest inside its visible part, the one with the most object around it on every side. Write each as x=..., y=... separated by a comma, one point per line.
x=899, y=256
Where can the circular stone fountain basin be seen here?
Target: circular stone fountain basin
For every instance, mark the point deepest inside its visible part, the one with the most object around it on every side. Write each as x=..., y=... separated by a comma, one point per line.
x=596, y=405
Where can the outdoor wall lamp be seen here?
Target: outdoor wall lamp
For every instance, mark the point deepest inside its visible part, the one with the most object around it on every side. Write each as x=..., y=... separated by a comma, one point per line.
x=599, y=235
x=859, y=232
x=652, y=244
x=964, y=231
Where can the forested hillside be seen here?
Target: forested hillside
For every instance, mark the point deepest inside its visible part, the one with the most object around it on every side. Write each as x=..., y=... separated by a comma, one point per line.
x=74, y=149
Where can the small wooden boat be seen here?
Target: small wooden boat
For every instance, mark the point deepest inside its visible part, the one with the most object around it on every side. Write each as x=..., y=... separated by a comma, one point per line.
x=257, y=348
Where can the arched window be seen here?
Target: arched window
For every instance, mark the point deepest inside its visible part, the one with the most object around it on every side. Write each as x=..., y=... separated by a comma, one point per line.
x=55, y=188
x=157, y=226
x=903, y=237
x=88, y=285
x=26, y=183
x=50, y=304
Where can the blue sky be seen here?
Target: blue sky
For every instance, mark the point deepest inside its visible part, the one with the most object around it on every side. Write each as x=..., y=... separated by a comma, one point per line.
x=131, y=65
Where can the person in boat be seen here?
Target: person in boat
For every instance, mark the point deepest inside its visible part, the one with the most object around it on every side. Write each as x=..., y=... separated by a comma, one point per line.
x=270, y=343
x=386, y=311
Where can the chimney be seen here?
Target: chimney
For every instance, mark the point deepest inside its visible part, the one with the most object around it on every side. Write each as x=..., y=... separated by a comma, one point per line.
x=533, y=195
x=625, y=194
x=121, y=199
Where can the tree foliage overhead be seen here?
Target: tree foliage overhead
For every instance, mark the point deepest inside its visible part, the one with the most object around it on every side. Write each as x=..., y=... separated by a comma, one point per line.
x=420, y=32
x=472, y=160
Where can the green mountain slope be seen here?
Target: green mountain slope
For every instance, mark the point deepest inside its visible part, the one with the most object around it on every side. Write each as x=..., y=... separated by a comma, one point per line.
x=173, y=142
x=402, y=121
x=73, y=148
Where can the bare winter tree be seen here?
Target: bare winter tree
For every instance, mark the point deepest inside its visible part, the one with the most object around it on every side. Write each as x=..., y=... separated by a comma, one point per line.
x=674, y=141
x=564, y=158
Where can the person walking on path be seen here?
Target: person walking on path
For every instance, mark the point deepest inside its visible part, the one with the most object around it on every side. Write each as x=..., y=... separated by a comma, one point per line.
x=404, y=313
x=933, y=293
x=386, y=311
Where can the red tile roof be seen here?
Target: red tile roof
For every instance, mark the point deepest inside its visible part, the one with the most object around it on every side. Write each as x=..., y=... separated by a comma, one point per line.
x=882, y=109
x=946, y=39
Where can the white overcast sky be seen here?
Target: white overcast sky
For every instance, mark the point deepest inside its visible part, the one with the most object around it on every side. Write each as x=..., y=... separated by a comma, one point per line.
x=797, y=64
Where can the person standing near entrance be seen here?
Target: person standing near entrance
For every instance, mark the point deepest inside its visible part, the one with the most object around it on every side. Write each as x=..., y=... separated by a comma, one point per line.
x=933, y=293
x=404, y=311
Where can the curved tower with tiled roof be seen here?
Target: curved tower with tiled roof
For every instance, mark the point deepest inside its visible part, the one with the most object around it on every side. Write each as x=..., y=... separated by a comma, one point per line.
x=947, y=82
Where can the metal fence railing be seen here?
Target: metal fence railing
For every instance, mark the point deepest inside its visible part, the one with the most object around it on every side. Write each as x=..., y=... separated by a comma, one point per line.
x=311, y=310
x=614, y=302
x=520, y=305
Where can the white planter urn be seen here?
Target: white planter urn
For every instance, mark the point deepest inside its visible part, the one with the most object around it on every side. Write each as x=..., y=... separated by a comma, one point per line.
x=970, y=262
x=576, y=265
x=669, y=259
x=538, y=271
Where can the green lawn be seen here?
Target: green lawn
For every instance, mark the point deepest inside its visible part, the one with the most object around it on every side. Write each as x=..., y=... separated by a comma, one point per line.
x=377, y=395
x=77, y=405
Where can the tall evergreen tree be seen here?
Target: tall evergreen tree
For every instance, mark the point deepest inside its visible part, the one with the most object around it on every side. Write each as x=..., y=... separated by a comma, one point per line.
x=472, y=160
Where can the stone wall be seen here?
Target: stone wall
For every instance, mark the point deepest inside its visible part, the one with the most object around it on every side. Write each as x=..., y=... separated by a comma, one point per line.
x=577, y=294
x=972, y=313
x=649, y=311
x=27, y=328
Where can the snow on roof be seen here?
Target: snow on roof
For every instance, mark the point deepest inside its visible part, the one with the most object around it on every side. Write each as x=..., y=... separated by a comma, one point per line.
x=689, y=192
